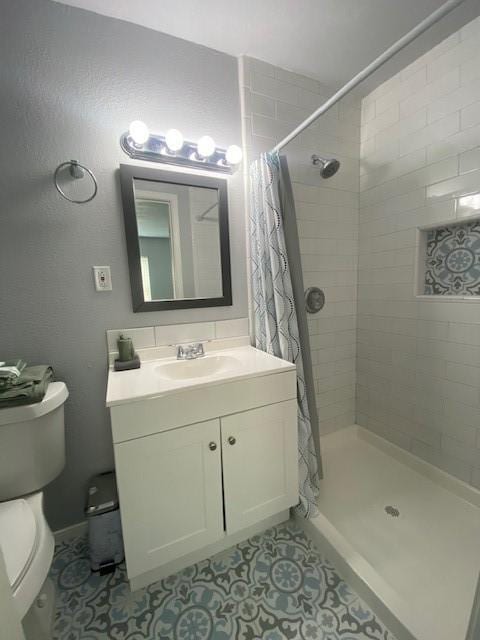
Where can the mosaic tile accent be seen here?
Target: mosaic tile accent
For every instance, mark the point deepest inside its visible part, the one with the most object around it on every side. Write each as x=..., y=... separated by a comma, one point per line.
x=453, y=260
x=275, y=586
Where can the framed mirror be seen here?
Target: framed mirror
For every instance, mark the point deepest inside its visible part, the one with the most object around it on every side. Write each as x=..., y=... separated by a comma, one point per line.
x=177, y=239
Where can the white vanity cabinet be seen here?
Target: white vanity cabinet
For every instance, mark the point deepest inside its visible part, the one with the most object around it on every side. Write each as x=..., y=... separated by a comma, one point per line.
x=189, y=489
x=260, y=463
x=171, y=494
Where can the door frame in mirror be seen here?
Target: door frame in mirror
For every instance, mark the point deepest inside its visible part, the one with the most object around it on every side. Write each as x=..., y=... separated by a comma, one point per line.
x=128, y=173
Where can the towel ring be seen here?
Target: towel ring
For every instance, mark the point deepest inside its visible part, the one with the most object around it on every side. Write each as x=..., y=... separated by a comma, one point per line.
x=77, y=171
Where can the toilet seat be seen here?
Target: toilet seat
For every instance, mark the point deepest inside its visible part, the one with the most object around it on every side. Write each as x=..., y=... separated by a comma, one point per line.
x=18, y=538
x=27, y=545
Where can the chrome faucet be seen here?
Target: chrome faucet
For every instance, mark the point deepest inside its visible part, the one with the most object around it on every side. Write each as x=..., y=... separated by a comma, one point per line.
x=190, y=352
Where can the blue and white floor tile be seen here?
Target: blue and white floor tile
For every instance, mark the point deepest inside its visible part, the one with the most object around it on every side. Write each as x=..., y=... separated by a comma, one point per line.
x=275, y=586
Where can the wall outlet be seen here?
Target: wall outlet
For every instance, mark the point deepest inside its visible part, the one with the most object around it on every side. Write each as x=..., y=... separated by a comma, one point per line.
x=102, y=278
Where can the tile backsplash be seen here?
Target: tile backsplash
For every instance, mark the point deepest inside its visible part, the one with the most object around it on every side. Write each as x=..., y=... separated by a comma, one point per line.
x=452, y=260
x=150, y=337
x=180, y=333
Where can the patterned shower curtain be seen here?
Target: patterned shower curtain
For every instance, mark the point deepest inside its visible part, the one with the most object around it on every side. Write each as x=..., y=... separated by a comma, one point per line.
x=276, y=329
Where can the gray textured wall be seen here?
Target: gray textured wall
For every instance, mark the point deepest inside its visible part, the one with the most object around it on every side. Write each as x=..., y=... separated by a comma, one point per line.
x=70, y=83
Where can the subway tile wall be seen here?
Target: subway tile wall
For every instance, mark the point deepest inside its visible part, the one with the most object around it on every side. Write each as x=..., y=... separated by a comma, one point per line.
x=418, y=361
x=275, y=102
x=174, y=334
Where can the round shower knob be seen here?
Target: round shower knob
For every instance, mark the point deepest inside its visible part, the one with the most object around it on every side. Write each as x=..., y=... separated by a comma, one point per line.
x=314, y=299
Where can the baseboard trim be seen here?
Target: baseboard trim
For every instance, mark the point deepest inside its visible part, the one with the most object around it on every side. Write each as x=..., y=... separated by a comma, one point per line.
x=73, y=531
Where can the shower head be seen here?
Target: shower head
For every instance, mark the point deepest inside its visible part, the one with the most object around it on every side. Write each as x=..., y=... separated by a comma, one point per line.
x=328, y=166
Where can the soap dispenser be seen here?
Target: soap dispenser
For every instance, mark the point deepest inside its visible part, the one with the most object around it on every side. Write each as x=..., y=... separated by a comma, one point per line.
x=127, y=358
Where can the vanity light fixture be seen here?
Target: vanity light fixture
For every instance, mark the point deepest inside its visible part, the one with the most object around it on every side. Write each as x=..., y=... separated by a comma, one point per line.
x=138, y=132
x=140, y=144
x=205, y=147
x=234, y=154
x=174, y=140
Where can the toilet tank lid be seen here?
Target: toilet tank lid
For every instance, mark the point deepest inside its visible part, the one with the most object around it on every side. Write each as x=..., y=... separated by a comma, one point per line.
x=56, y=395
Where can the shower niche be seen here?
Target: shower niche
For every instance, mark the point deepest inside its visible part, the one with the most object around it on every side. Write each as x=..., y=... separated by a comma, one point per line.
x=448, y=260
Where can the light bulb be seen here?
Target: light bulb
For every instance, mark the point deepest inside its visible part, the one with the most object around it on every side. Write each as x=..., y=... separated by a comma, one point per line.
x=234, y=154
x=205, y=146
x=138, y=131
x=174, y=139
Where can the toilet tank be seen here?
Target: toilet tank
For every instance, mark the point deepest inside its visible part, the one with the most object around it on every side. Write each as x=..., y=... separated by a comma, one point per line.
x=32, y=443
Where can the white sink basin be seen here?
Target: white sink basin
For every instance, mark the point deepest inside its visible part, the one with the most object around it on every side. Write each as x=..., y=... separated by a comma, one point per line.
x=198, y=368
x=162, y=376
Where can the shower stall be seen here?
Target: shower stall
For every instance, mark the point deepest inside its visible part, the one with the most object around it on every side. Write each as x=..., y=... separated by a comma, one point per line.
x=385, y=184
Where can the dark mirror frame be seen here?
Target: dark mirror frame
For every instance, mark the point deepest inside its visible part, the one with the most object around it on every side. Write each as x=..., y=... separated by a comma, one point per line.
x=128, y=173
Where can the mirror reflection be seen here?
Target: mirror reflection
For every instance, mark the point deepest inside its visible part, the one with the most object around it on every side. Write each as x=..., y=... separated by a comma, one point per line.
x=179, y=240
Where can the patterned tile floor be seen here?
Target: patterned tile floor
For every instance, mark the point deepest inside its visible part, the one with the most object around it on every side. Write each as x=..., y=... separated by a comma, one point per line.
x=275, y=586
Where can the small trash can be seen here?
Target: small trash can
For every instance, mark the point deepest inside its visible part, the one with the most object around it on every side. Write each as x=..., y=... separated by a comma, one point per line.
x=104, y=525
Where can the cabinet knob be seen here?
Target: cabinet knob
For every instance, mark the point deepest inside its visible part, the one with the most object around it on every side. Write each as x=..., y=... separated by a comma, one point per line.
x=231, y=440
x=212, y=446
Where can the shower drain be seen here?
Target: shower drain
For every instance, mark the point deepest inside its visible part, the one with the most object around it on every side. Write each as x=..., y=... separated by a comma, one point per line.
x=392, y=511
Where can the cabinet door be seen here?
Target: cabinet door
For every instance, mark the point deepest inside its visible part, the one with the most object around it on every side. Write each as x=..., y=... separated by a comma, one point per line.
x=260, y=463
x=170, y=488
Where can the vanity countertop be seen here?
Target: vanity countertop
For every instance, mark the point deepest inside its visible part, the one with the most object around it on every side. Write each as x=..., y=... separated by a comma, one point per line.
x=165, y=376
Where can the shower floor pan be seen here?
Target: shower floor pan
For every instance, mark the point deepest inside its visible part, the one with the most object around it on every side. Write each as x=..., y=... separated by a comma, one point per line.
x=403, y=533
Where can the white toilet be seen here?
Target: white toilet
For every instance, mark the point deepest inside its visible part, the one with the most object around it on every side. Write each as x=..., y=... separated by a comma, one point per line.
x=32, y=454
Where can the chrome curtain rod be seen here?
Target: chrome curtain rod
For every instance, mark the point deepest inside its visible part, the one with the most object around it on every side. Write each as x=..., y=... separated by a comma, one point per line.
x=373, y=66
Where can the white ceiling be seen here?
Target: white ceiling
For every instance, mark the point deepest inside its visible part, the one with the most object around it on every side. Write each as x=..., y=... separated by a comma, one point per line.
x=327, y=39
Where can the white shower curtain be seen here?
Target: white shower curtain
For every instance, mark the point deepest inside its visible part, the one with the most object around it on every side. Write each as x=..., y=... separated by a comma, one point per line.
x=276, y=328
